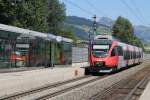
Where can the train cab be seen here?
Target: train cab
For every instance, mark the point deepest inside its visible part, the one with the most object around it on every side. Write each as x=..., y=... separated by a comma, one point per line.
x=108, y=56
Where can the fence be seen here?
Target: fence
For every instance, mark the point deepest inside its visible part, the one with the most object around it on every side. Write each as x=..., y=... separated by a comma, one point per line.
x=79, y=55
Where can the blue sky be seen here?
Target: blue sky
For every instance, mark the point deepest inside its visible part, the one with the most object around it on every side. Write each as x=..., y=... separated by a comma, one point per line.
x=138, y=11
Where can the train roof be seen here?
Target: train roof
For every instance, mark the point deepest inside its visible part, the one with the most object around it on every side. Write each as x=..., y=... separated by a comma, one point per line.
x=106, y=41
x=131, y=46
x=104, y=36
x=102, y=41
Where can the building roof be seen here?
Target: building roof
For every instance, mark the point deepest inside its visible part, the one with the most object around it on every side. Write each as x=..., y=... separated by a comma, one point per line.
x=46, y=36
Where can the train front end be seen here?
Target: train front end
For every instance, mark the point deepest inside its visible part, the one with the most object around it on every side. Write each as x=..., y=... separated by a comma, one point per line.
x=100, y=57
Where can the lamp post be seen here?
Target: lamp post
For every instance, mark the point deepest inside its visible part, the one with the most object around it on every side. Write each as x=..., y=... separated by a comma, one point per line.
x=90, y=42
x=94, y=25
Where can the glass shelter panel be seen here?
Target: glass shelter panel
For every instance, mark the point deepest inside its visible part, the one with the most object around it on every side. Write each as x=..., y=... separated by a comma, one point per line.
x=24, y=50
x=7, y=47
x=67, y=50
x=21, y=50
x=63, y=53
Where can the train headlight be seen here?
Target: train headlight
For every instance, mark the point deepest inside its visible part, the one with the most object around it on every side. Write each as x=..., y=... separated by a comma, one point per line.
x=99, y=63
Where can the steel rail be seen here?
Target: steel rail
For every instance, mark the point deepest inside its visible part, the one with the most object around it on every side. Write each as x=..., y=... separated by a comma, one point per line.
x=118, y=86
x=48, y=96
x=39, y=89
x=129, y=96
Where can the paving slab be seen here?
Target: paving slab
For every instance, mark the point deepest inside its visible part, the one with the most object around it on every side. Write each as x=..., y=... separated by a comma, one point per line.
x=25, y=80
x=146, y=93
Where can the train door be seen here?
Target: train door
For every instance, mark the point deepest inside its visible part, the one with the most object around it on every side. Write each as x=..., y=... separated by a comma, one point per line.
x=120, y=55
x=114, y=57
x=136, y=59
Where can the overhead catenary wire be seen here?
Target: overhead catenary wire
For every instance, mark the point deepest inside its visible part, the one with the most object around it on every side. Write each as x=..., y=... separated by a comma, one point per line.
x=84, y=10
x=98, y=11
x=138, y=11
x=93, y=6
x=70, y=2
x=132, y=11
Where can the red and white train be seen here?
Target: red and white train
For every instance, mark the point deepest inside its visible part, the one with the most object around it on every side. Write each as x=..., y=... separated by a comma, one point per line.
x=108, y=55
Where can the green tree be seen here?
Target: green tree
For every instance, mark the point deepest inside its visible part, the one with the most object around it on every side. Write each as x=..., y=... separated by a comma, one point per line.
x=7, y=14
x=56, y=16
x=124, y=31
x=38, y=15
x=56, y=20
x=30, y=14
x=35, y=15
x=67, y=32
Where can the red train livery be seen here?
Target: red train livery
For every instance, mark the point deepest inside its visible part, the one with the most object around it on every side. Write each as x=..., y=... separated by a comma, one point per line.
x=108, y=55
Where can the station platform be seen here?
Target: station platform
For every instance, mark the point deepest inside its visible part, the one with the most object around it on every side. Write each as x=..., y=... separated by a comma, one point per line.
x=146, y=93
x=18, y=81
x=10, y=70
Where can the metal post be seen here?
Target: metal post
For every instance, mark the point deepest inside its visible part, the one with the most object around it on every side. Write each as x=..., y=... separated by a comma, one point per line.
x=49, y=63
x=94, y=25
x=52, y=53
x=61, y=53
x=89, y=48
x=45, y=65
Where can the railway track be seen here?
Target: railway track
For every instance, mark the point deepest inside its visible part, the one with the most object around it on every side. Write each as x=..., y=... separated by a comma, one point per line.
x=138, y=89
x=67, y=89
x=127, y=89
x=51, y=90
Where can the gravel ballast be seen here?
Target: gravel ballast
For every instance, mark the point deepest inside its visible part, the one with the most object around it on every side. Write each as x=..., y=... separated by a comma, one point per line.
x=89, y=90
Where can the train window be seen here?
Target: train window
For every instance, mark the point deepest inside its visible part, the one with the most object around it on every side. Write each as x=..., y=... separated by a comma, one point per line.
x=124, y=53
x=120, y=50
x=138, y=54
x=134, y=54
x=114, y=51
x=128, y=54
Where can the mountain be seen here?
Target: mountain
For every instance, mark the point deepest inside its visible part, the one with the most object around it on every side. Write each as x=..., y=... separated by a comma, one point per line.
x=81, y=27
x=142, y=32
x=106, y=21
x=80, y=33
x=78, y=21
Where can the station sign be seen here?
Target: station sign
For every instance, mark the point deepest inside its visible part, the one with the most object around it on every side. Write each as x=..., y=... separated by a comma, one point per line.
x=59, y=38
x=22, y=45
x=67, y=40
x=51, y=37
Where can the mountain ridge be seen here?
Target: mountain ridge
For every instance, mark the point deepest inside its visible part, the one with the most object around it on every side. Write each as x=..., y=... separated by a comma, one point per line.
x=82, y=26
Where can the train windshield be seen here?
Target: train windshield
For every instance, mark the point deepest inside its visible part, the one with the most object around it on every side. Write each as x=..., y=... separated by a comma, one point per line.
x=100, y=50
